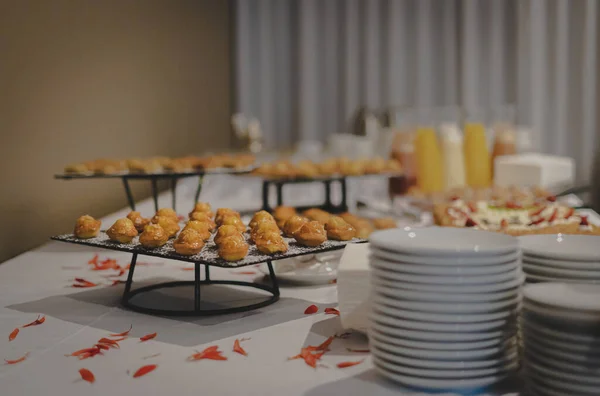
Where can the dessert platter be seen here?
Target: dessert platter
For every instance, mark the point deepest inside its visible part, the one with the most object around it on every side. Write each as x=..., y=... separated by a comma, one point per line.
x=329, y=172
x=156, y=168
x=219, y=239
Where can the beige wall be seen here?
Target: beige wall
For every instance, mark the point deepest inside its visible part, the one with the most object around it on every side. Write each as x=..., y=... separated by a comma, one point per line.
x=81, y=79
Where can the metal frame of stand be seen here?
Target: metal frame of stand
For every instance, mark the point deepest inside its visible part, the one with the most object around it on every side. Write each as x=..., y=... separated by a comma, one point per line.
x=328, y=183
x=128, y=294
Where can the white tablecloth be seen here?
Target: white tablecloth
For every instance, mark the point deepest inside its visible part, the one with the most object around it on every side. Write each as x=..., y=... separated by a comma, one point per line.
x=38, y=282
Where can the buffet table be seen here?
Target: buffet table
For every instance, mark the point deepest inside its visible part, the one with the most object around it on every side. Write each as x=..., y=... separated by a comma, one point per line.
x=40, y=281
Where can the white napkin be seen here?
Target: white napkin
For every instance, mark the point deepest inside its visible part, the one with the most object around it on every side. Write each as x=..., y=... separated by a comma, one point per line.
x=353, y=286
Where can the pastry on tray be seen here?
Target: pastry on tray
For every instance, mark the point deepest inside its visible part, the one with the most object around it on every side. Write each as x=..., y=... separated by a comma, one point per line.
x=259, y=217
x=363, y=227
x=375, y=165
x=282, y=213
x=338, y=229
x=203, y=207
x=202, y=228
x=170, y=226
x=122, y=231
x=167, y=212
x=203, y=218
x=86, y=227
x=225, y=212
x=317, y=215
x=270, y=242
x=188, y=242
x=226, y=231
x=542, y=217
x=138, y=221
x=311, y=234
x=233, y=248
x=307, y=169
x=234, y=221
x=293, y=224
x=153, y=236
x=76, y=169
x=384, y=223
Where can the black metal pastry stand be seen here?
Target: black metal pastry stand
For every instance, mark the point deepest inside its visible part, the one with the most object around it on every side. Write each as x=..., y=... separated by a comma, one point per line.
x=328, y=184
x=207, y=257
x=173, y=177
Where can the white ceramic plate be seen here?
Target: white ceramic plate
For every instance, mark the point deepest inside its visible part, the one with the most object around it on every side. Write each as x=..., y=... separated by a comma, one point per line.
x=561, y=314
x=381, y=278
x=574, y=265
x=440, y=327
x=540, y=367
x=560, y=272
x=441, y=336
x=563, y=365
x=415, y=295
x=437, y=373
x=444, y=280
x=443, y=260
x=537, y=389
x=444, y=241
x=436, y=384
x=442, y=318
x=562, y=247
x=446, y=307
x=585, y=348
x=578, y=297
x=443, y=270
x=445, y=364
x=538, y=349
x=392, y=343
x=567, y=387
x=534, y=278
x=313, y=270
x=554, y=333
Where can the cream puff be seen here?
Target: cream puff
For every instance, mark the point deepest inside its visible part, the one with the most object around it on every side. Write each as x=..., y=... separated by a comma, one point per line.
x=311, y=234
x=138, y=221
x=317, y=215
x=168, y=212
x=225, y=212
x=384, y=223
x=233, y=248
x=270, y=243
x=171, y=227
x=259, y=217
x=188, y=242
x=203, y=207
x=203, y=218
x=338, y=229
x=122, y=231
x=202, y=228
x=153, y=236
x=86, y=227
x=282, y=213
x=226, y=231
x=293, y=224
x=234, y=221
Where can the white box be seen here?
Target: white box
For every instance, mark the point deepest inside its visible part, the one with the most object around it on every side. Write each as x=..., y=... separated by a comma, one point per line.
x=534, y=169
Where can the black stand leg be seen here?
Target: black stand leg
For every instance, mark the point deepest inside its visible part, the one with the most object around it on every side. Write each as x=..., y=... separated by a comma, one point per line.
x=155, y=194
x=197, y=287
x=199, y=189
x=207, y=272
x=273, y=279
x=129, y=278
x=265, y=195
x=328, y=202
x=128, y=193
x=173, y=192
x=279, y=194
x=344, y=203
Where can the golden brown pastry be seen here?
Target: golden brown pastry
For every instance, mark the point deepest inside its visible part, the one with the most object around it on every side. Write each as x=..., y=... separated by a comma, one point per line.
x=226, y=231
x=153, y=236
x=234, y=221
x=317, y=215
x=339, y=230
x=384, y=223
x=282, y=213
x=202, y=228
x=203, y=207
x=329, y=167
x=259, y=217
x=136, y=165
x=188, y=242
x=86, y=227
x=393, y=166
x=233, y=248
x=363, y=228
x=122, y=231
x=138, y=221
x=270, y=242
x=353, y=168
x=293, y=224
x=307, y=169
x=311, y=234
x=264, y=227
x=171, y=227
x=167, y=212
x=203, y=218
x=375, y=165
x=225, y=212
x=76, y=169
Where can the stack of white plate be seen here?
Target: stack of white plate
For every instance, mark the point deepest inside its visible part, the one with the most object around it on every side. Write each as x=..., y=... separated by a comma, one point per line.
x=444, y=307
x=561, y=335
x=561, y=258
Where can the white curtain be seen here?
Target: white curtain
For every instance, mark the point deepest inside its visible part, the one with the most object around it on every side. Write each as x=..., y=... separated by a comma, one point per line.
x=304, y=67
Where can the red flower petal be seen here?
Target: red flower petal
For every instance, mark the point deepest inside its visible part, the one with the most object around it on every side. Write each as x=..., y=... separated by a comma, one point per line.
x=311, y=310
x=144, y=370
x=87, y=375
x=147, y=337
x=13, y=334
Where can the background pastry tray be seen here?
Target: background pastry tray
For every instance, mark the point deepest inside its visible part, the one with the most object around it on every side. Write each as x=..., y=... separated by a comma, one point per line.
x=209, y=254
x=159, y=174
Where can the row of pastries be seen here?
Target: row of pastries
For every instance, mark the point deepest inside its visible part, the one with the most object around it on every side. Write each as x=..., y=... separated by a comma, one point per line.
x=309, y=228
x=329, y=167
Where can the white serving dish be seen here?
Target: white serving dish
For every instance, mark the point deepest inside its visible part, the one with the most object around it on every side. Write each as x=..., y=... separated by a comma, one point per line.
x=568, y=387
x=588, y=349
x=578, y=297
x=398, y=292
x=576, y=335
x=393, y=343
x=562, y=247
x=444, y=270
x=443, y=259
x=553, y=279
x=533, y=169
x=564, y=264
x=559, y=272
x=442, y=318
x=562, y=365
x=444, y=241
x=447, y=279
x=440, y=336
x=537, y=349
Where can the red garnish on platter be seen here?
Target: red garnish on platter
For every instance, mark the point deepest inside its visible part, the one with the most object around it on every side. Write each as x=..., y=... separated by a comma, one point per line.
x=503, y=223
x=13, y=334
x=569, y=213
x=512, y=205
x=311, y=309
x=551, y=198
x=40, y=319
x=244, y=272
x=80, y=282
x=584, y=221
x=102, y=346
x=19, y=360
x=211, y=353
x=94, y=260
x=123, y=334
x=538, y=211
x=553, y=216
x=144, y=370
x=348, y=364
x=323, y=347
x=87, y=375
x=86, y=352
x=238, y=348
x=470, y=222
x=454, y=198
x=472, y=207
x=358, y=350
x=147, y=337
x=332, y=311
x=109, y=342
x=536, y=222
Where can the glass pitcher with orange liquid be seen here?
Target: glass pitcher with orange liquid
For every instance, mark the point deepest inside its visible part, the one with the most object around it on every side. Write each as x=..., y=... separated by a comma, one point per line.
x=478, y=164
x=430, y=170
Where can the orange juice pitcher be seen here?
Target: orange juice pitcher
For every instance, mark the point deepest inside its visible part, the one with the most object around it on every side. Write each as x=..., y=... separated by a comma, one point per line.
x=477, y=156
x=430, y=173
